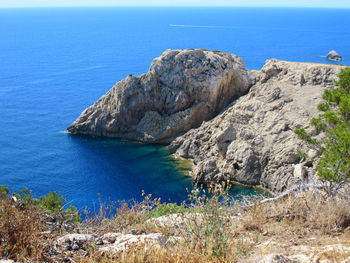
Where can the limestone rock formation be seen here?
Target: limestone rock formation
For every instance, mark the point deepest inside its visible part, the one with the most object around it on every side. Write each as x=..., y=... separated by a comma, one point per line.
x=188, y=99
x=334, y=56
x=182, y=89
x=253, y=141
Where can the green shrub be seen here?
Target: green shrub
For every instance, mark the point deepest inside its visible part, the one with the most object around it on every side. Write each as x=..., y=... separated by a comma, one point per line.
x=334, y=121
x=26, y=197
x=52, y=202
x=72, y=214
x=168, y=208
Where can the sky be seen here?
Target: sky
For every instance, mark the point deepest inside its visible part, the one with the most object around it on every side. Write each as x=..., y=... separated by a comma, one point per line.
x=251, y=3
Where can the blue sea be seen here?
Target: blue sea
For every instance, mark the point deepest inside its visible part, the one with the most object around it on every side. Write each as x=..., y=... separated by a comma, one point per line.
x=55, y=62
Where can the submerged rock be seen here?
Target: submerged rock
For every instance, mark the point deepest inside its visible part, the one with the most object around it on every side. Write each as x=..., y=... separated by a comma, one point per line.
x=253, y=141
x=334, y=56
x=182, y=89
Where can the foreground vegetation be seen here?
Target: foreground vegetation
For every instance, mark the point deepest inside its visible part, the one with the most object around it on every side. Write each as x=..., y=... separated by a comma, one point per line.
x=210, y=229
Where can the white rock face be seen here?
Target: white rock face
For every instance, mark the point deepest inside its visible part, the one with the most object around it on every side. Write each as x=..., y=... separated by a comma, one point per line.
x=303, y=254
x=253, y=141
x=124, y=241
x=182, y=89
x=177, y=220
x=300, y=172
x=70, y=238
x=271, y=258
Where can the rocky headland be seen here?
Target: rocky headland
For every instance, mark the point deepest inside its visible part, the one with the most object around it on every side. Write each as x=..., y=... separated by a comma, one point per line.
x=234, y=124
x=182, y=89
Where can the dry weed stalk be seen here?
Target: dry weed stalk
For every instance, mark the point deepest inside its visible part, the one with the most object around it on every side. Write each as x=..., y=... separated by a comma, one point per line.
x=20, y=231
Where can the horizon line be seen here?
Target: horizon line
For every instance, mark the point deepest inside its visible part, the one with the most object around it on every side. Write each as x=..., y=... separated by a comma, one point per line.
x=169, y=6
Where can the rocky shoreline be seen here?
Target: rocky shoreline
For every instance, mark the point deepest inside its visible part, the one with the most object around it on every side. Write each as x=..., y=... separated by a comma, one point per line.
x=234, y=124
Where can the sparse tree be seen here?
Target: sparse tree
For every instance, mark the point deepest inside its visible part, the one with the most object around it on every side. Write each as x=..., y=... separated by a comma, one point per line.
x=334, y=121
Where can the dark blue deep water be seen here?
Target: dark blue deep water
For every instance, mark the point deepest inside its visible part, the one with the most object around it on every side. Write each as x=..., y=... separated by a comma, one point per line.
x=56, y=62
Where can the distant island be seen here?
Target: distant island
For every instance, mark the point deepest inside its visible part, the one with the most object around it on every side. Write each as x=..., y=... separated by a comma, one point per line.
x=334, y=56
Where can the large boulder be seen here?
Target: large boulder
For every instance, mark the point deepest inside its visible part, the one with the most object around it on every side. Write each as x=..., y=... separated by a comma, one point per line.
x=182, y=89
x=253, y=141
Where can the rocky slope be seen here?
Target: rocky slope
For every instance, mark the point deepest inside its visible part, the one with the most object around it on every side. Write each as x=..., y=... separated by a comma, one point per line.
x=182, y=89
x=253, y=141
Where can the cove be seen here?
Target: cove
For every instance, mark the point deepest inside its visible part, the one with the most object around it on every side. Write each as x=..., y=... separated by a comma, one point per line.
x=123, y=170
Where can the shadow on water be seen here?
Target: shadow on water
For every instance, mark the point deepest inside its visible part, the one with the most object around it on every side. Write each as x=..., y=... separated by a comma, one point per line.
x=120, y=170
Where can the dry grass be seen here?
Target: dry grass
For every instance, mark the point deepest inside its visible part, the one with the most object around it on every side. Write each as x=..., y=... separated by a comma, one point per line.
x=20, y=231
x=123, y=216
x=307, y=220
x=150, y=255
x=212, y=229
x=307, y=210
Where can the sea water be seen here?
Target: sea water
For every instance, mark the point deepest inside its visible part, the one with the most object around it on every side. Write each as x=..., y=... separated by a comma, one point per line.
x=55, y=62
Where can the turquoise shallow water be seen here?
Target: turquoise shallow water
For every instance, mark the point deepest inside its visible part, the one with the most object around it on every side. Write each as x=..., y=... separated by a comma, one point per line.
x=56, y=62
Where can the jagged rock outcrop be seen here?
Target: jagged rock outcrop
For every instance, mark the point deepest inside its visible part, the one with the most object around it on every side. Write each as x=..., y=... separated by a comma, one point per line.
x=334, y=56
x=253, y=141
x=182, y=89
